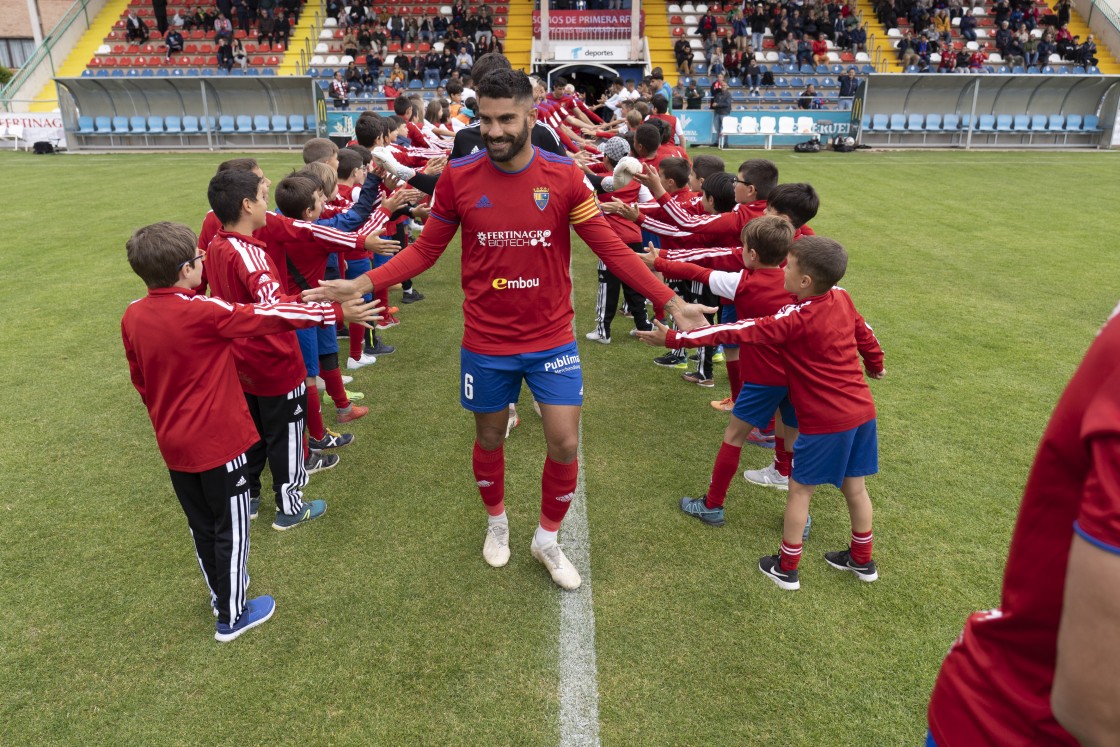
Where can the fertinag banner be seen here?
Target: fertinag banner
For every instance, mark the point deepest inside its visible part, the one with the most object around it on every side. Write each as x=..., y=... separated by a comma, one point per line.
x=30, y=128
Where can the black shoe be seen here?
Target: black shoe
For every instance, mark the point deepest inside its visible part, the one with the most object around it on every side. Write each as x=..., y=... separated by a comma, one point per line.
x=770, y=565
x=669, y=360
x=842, y=561
x=694, y=357
x=380, y=349
x=412, y=296
x=330, y=440
x=343, y=331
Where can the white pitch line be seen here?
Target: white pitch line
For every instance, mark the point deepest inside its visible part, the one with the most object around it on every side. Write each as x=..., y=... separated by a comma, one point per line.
x=579, y=681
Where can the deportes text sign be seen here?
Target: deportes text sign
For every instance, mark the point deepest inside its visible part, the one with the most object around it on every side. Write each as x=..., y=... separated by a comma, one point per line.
x=587, y=20
x=591, y=51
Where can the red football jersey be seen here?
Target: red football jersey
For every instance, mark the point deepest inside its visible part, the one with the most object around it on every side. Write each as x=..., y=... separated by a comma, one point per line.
x=721, y=229
x=821, y=340
x=241, y=272
x=182, y=364
x=516, y=249
x=994, y=686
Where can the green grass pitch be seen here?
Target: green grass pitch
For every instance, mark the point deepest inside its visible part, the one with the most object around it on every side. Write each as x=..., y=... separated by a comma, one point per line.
x=984, y=275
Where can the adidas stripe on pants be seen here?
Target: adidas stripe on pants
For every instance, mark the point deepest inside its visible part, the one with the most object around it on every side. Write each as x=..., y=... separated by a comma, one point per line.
x=216, y=503
x=279, y=422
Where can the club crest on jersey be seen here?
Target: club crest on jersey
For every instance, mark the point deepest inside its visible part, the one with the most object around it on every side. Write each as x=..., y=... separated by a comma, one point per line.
x=540, y=197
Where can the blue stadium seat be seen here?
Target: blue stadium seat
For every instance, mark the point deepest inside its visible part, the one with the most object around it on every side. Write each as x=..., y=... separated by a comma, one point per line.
x=1073, y=123
x=133, y=72
x=268, y=71
x=879, y=123
x=703, y=81
x=177, y=72
x=1078, y=70
x=1038, y=123
x=226, y=123
x=1032, y=70
x=1047, y=69
x=1063, y=70
x=120, y=124
x=147, y=73
x=191, y=72
x=807, y=69
x=155, y=124
x=898, y=122
x=987, y=123
x=1018, y=70
x=279, y=123
x=104, y=125
x=295, y=123
x=1056, y=123
x=966, y=121
x=116, y=73
x=1003, y=122
x=951, y=123
x=85, y=126
x=822, y=70
x=190, y=125
x=914, y=123
x=326, y=72
x=1021, y=123
x=415, y=84
x=138, y=124
x=174, y=125
x=781, y=82
x=1092, y=70
x=739, y=95
x=867, y=69
x=1091, y=123
x=260, y=123
x=102, y=73
x=243, y=123
x=933, y=123
x=796, y=83
x=87, y=73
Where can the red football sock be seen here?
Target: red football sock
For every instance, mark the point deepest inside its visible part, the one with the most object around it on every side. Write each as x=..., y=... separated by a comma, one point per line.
x=733, y=378
x=861, y=547
x=727, y=464
x=333, y=379
x=382, y=297
x=490, y=474
x=769, y=426
x=558, y=487
x=783, y=460
x=306, y=448
x=357, y=337
x=790, y=556
x=315, y=414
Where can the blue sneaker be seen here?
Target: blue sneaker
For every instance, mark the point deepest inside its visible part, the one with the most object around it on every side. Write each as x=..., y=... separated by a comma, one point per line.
x=256, y=612
x=311, y=510
x=696, y=508
x=254, y=507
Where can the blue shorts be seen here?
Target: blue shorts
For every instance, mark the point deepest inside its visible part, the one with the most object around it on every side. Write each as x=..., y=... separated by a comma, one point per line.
x=380, y=259
x=357, y=268
x=727, y=314
x=331, y=273
x=757, y=403
x=314, y=342
x=828, y=458
x=490, y=382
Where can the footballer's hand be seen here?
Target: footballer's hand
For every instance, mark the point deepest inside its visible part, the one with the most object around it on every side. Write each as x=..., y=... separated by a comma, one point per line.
x=689, y=316
x=338, y=290
x=622, y=209
x=656, y=336
x=378, y=245
x=435, y=165
x=421, y=212
x=877, y=374
x=400, y=198
x=357, y=311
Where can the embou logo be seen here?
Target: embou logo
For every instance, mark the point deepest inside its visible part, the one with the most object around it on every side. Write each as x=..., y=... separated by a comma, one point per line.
x=515, y=284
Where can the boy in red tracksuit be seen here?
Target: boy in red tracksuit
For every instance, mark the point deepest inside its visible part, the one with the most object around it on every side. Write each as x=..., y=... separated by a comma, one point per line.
x=181, y=360
x=838, y=443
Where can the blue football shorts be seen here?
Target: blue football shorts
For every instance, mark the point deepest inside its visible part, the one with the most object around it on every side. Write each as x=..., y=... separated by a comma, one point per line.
x=490, y=382
x=757, y=403
x=314, y=342
x=727, y=314
x=828, y=458
x=356, y=268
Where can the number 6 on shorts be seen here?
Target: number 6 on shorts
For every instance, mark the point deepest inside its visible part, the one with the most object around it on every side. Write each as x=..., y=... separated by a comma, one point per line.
x=468, y=386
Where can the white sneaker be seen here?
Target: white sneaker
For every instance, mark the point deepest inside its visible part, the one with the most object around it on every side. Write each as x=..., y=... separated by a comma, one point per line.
x=596, y=337
x=768, y=477
x=559, y=567
x=365, y=360
x=345, y=379
x=512, y=423
x=322, y=385
x=495, y=550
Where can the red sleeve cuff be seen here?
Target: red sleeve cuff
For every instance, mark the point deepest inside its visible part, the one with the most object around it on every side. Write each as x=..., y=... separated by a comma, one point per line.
x=671, y=339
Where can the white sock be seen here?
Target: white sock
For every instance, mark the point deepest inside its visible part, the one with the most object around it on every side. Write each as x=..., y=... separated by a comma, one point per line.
x=499, y=519
x=544, y=537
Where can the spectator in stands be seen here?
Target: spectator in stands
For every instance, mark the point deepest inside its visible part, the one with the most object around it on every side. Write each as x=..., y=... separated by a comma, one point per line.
x=733, y=62
x=464, y=62
x=715, y=64
x=1003, y=38
x=707, y=28
x=759, y=21
x=693, y=99
x=682, y=51
x=292, y=7
x=1063, y=9
x=721, y=101
x=820, y=50
x=426, y=31
x=968, y=25
x=848, y=85
x=374, y=63
x=808, y=98
x=948, y=61
x=943, y=25
x=282, y=30
x=1030, y=51
x=339, y=94
x=354, y=78
x=397, y=77
x=174, y=41
x=1064, y=40
x=719, y=84
x=804, y=51
x=135, y=28
x=225, y=54
x=350, y=42
x=1087, y=52
x=976, y=61
x=266, y=28
x=239, y=56
x=176, y=21
x=484, y=29
x=907, y=55
x=741, y=32
x=857, y=39
x=222, y=28
x=395, y=27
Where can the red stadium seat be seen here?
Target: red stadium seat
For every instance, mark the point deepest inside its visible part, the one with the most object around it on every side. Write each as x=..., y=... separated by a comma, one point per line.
x=113, y=36
x=132, y=49
x=272, y=61
x=118, y=49
x=110, y=62
x=257, y=61
x=361, y=59
x=500, y=33
x=95, y=62
x=196, y=35
x=424, y=47
x=394, y=47
x=409, y=48
x=676, y=20
x=198, y=61
x=148, y=49
x=678, y=31
x=500, y=21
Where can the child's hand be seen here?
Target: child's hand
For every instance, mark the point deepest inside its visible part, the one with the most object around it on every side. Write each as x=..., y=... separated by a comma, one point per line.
x=357, y=311
x=877, y=374
x=649, y=257
x=332, y=290
x=435, y=165
x=378, y=245
x=656, y=336
x=622, y=209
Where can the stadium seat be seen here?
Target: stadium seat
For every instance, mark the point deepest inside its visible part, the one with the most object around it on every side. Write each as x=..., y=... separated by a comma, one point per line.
x=933, y=123
x=1038, y=123
x=155, y=125
x=1073, y=123
x=880, y=123
x=728, y=126
x=748, y=126
x=261, y=123
x=190, y=125
x=1056, y=123
x=915, y=123
x=987, y=123
x=85, y=126
x=226, y=123
x=1003, y=122
x=279, y=123
x=951, y=123
x=173, y=125
x=295, y=123
x=1021, y=123
x=787, y=126
x=898, y=122
x=120, y=124
x=243, y=123
x=1091, y=123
